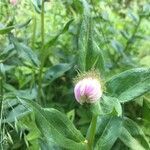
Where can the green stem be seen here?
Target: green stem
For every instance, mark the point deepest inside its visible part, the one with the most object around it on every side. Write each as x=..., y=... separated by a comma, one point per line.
x=34, y=30
x=92, y=132
x=133, y=35
x=1, y=107
x=42, y=23
x=42, y=64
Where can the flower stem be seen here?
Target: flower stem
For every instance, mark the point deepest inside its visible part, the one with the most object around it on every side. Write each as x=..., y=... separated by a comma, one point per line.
x=92, y=131
x=42, y=23
x=34, y=30
x=42, y=48
x=1, y=107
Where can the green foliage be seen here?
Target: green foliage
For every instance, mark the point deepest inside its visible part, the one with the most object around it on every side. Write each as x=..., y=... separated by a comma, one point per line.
x=129, y=84
x=56, y=127
x=90, y=55
x=109, y=129
x=7, y=29
x=43, y=47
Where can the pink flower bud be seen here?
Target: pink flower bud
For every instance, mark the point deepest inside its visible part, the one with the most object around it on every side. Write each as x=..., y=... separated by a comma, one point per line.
x=88, y=90
x=13, y=2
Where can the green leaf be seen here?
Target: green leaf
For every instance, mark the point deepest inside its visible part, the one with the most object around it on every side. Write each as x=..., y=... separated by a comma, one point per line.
x=130, y=84
x=56, y=71
x=37, y=5
x=146, y=117
x=51, y=42
x=136, y=132
x=54, y=39
x=109, y=104
x=16, y=113
x=56, y=127
x=106, y=105
x=146, y=110
x=109, y=129
x=6, y=30
x=26, y=94
x=25, y=52
x=48, y=146
x=129, y=140
x=117, y=46
x=89, y=54
x=134, y=17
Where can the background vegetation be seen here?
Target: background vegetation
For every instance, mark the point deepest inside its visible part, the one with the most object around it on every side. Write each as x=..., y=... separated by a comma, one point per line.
x=45, y=44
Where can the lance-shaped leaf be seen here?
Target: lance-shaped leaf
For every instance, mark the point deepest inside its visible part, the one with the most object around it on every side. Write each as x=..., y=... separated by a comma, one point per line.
x=90, y=55
x=129, y=140
x=109, y=129
x=9, y=28
x=56, y=127
x=56, y=71
x=130, y=84
x=136, y=132
x=25, y=52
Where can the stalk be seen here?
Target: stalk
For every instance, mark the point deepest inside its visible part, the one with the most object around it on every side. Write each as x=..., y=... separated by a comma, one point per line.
x=42, y=48
x=1, y=100
x=42, y=23
x=92, y=132
x=133, y=35
x=34, y=30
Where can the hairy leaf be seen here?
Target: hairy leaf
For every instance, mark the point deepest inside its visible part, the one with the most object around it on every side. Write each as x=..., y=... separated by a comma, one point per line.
x=56, y=127
x=130, y=84
x=109, y=129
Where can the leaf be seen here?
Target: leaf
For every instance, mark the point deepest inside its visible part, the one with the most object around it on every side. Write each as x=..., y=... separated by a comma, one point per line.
x=23, y=24
x=56, y=71
x=134, y=17
x=53, y=40
x=109, y=129
x=146, y=117
x=2, y=69
x=16, y=113
x=48, y=146
x=26, y=94
x=71, y=115
x=6, y=30
x=24, y=52
x=97, y=58
x=37, y=5
x=146, y=9
x=136, y=132
x=89, y=54
x=130, y=141
x=130, y=84
x=117, y=46
x=56, y=127
x=109, y=104
x=146, y=110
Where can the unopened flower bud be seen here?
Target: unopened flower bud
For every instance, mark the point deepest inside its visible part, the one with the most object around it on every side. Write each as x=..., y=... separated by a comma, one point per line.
x=88, y=90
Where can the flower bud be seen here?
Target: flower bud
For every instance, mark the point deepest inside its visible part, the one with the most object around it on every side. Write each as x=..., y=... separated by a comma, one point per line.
x=14, y=2
x=88, y=90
